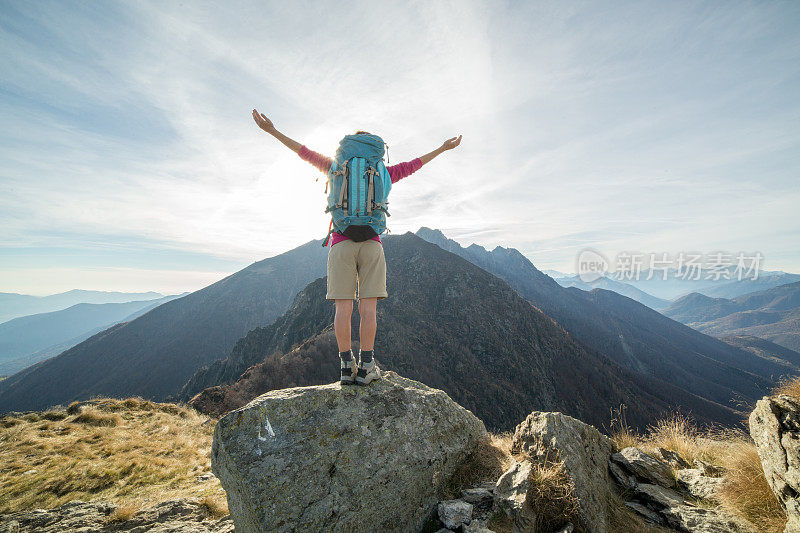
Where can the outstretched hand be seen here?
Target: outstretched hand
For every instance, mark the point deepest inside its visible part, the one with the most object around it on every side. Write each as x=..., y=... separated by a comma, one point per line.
x=263, y=122
x=451, y=143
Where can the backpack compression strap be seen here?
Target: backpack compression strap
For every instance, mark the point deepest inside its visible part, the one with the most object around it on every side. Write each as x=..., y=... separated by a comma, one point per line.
x=371, y=189
x=342, y=197
x=343, y=191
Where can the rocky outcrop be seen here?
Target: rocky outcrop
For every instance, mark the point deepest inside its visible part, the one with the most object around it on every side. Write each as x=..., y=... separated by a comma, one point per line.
x=585, y=453
x=775, y=428
x=336, y=458
x=175, y=516
x=658, y=496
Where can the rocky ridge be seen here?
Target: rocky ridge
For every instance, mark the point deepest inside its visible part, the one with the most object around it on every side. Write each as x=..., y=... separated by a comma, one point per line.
x=261, y=446
x=174, y=516
x=326, y=457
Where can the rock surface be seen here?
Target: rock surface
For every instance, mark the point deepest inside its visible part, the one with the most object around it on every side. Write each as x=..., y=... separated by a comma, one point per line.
x=324, y=457
x=659, y=496
x=775, y=428
x=510, y=495
x=474, y=528
x=174, y=516
x=477, y=496
x=626, y=480
x=698, y=485
x=708, y=469
x=585, y=453
x=455, y=513
x=646, y=512
x=644, y=466
x=701, y=520
x=674, y=459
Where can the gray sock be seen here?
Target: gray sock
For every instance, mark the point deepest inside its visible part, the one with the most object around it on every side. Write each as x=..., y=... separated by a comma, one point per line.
x=366, y=355
x=346, y=356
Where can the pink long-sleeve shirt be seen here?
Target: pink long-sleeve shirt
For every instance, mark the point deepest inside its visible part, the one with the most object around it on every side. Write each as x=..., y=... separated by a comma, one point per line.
x=396, y=172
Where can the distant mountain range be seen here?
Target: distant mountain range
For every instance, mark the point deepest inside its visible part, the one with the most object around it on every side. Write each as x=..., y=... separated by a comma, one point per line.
x=772, y=314
x=30, y=339
x=658, y=290
x=443, y=323
x=456, y=327
x=675, y=287
x=617, y=286
x=155, y=354
x=629, y=333
x=14, y=305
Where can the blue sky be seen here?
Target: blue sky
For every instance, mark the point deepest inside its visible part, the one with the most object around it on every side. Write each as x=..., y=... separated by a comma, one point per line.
x=129, y=159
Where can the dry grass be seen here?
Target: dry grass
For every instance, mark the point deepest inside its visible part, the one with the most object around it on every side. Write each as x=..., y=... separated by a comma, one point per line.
x=789, y=388
x=487, y=463
x=123, y=513
x=679, y=434
x=552, y=496
x=132, y=452
x=746, y=492
x=95, y=417
x=215, y=506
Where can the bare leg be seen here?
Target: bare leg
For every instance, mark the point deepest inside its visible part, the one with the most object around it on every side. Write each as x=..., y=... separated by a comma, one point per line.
x=341, y=323
x=369, y=322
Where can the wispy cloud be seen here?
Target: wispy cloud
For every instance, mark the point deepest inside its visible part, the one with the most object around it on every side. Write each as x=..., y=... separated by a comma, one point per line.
x=633, y=126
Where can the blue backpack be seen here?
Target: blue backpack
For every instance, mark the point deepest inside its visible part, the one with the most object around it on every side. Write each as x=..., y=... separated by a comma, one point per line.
x=358, y=187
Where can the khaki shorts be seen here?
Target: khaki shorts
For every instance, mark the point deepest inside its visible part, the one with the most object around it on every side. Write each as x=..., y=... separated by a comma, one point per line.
x=356, y=264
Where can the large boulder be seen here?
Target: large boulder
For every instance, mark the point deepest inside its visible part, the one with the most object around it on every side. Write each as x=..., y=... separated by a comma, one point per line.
x=775, y=428
x=585, y=453
x=334, y=458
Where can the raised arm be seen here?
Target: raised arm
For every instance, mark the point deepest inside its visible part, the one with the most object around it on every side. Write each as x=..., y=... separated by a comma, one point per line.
x=318, y=160
x=449, y=144
x=403, y=170
x=266, y=124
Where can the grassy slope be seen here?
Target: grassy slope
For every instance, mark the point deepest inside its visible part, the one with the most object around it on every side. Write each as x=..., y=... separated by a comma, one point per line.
x=132, y=452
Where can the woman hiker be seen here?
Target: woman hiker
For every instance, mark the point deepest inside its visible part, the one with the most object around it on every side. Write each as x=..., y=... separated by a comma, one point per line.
x=359, y=183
